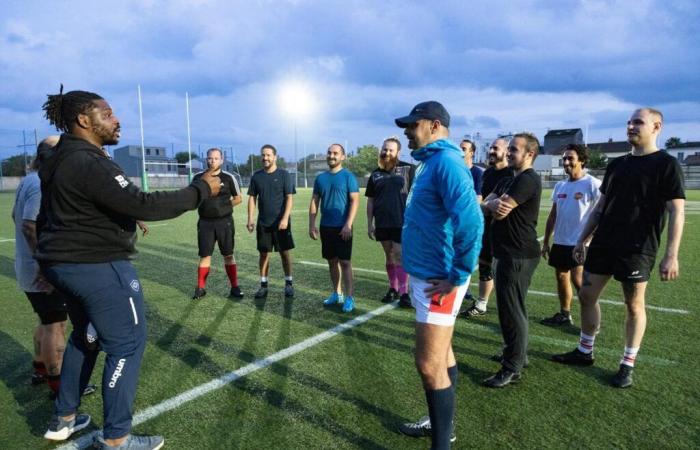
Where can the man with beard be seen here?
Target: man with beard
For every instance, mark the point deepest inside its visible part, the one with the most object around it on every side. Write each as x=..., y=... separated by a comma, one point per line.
x=442, y=232
x=514, y=205
x=216, y=225
x=337, y=194
x=497, y=170
x=387, y=190
x=86, y=236
x=272, y=188
x=573, y=200
x=637, y=190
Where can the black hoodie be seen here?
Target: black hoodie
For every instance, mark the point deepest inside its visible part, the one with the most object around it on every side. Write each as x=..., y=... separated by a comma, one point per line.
x=89, y=207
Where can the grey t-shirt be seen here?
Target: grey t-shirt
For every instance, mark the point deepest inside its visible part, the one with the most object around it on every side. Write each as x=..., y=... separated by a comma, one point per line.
x=27, y=202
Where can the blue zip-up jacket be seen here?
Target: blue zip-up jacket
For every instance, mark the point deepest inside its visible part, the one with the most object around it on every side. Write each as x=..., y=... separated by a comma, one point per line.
x=443, y=223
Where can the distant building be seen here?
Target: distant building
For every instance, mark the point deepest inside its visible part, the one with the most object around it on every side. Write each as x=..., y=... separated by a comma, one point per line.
x=611, y=149
x=687, y=152
x=554, y=140
x=157, y=162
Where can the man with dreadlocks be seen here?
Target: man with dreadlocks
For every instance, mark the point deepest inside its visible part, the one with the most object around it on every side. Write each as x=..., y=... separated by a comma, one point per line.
x=87, y=232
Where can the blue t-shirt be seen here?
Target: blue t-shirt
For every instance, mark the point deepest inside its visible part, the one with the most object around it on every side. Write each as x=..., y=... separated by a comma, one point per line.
x=334, y=191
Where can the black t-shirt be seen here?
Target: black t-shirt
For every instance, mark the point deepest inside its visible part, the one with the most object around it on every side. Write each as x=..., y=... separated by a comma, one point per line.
x=219, y=206
x=636, y=190
x=489, y=180
x=389, y=190
x=271, y=190
x=516, y=235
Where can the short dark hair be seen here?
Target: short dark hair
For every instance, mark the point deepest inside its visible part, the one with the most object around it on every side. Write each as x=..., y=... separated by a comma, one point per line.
x=581, y=152
x=216, y=149
x=342, y=149
x=470, y=143
x=532, y=144
x=271, y=147
x=62, y=110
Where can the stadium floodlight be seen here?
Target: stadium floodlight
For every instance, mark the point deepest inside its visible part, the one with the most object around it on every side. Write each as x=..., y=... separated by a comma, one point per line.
x=297, y=102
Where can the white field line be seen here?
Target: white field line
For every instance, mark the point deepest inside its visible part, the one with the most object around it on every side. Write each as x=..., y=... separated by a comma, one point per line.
x=215, y=384
x=218, y=383
x=153, y=225
x=7, y=240
x=547, y=294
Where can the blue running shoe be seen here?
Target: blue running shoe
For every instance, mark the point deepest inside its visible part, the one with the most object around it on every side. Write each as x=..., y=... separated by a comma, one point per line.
x=333, y=299
x=348, y=304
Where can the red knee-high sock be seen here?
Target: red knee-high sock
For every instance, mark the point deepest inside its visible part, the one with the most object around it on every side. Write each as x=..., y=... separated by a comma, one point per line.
x=391, y=274
x=232, y=273
x=202, y=274
x=402, y=278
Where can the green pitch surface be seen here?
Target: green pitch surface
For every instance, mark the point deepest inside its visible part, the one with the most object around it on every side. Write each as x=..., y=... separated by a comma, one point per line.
x=351, y=389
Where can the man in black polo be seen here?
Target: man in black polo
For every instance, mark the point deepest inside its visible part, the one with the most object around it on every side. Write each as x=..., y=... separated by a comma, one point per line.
x=272, y=188
x=497, y=170
x=514, y=205
x=387, y=191
x=216, y=225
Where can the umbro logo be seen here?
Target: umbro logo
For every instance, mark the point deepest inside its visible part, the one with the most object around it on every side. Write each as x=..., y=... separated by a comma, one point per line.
x=135, y=285
x=122, y=181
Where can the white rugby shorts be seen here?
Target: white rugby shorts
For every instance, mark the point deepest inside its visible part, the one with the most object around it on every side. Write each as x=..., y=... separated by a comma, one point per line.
x=429, y=310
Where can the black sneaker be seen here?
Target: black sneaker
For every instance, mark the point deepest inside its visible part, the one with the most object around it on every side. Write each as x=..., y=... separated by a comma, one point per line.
x=623, y=377
x=405, y=301
x=288, y=290
x=502, y=378
x=421, y=428
x=558, y=320
x=38, y=378
x=235, y=292
x=473, y=311
x=391, y=296
x=262, y=293
x=199, y=293
x=575, y=358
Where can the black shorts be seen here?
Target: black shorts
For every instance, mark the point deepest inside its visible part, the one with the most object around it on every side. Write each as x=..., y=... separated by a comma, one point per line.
x=215, y=230
x=627, y=267
x=271, y=239
x=388, y=234
x=562, y=257
x=333, y=246
x=50, y=308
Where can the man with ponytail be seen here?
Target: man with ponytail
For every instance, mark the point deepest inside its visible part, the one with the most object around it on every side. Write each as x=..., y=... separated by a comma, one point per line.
x=86, y=235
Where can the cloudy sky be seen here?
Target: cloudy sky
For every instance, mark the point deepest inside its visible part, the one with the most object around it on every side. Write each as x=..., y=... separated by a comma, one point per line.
x=498, y=66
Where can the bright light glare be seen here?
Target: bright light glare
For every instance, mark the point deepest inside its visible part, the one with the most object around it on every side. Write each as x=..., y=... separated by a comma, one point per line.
x=296, y=100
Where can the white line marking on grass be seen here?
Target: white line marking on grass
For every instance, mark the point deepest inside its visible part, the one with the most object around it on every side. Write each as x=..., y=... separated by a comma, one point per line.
x=548, y=294
x=615, y=302
x=158, y=224
x=218, y=383
x=7, y=240
x=354, y=269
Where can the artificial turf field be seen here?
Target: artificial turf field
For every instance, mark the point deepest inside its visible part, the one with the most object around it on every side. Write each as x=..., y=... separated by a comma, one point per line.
x=352, y=389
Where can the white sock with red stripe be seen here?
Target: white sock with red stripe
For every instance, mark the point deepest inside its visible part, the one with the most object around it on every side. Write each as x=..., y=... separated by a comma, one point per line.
x=629, y=356
x=585, y=343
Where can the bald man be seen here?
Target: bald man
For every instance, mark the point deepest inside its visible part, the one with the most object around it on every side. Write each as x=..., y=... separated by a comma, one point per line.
x=637, y=191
